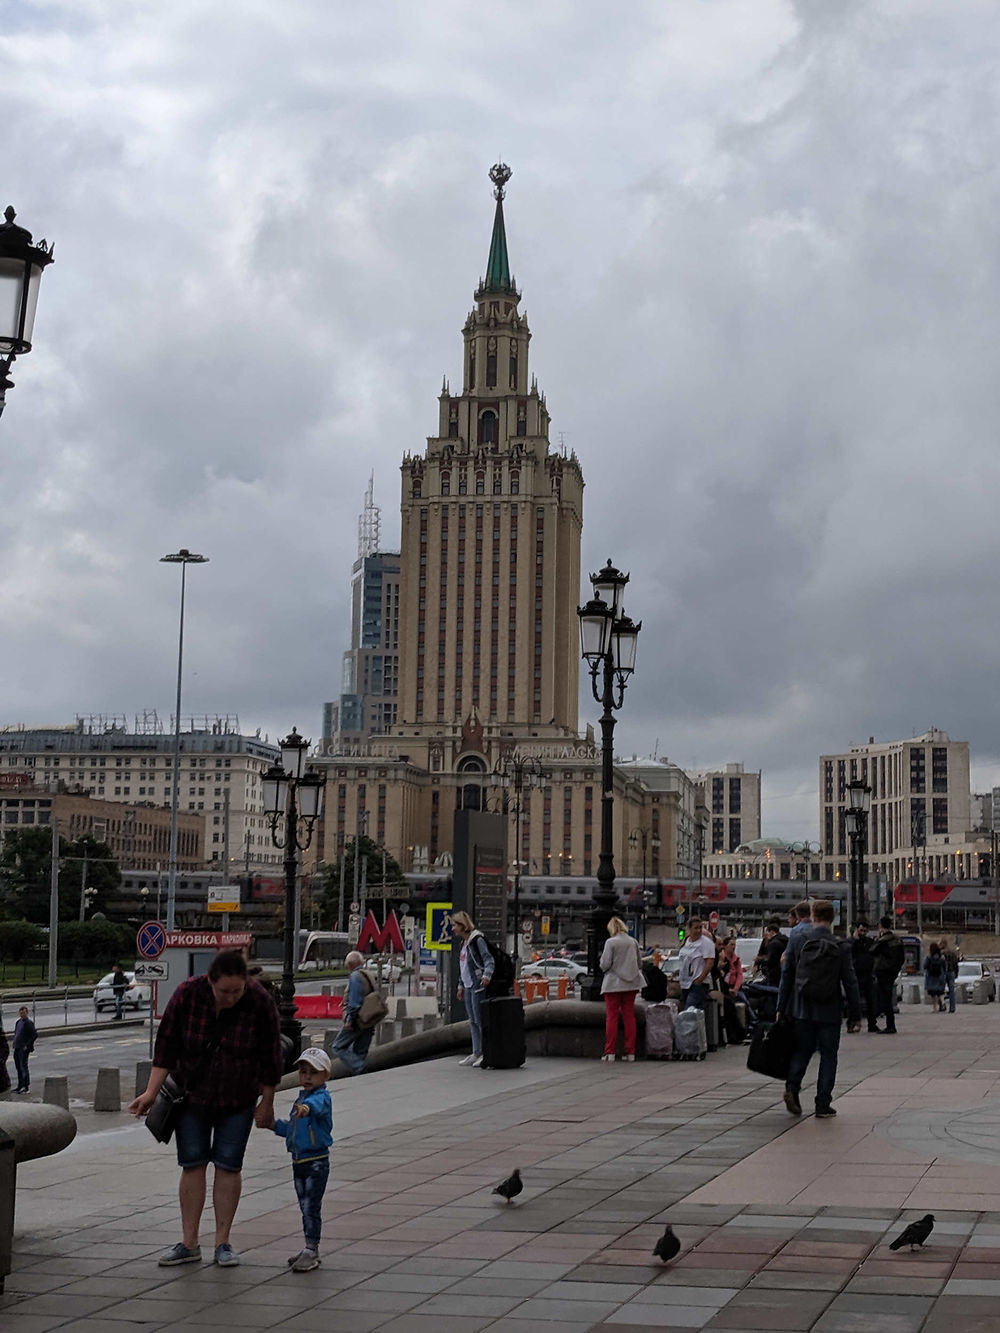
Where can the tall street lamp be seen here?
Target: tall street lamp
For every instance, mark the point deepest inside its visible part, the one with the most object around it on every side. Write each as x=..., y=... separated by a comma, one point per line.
x=859, y=803
x=608, y=642
x=293, y=800
x=517, y=774
x=183, y=557
x=21, y=265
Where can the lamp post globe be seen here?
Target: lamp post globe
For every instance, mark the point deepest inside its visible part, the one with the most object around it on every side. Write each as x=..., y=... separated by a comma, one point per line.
x=21, y=265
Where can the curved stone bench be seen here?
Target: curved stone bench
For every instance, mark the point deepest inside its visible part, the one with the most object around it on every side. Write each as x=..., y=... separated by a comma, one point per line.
x=37, y=1130
x=26, y=1132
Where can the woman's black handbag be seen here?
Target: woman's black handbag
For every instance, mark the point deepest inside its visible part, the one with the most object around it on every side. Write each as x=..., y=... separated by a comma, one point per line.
x=162, y=1115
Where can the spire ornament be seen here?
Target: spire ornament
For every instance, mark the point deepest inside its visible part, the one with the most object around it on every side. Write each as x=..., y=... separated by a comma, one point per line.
x=500, y=175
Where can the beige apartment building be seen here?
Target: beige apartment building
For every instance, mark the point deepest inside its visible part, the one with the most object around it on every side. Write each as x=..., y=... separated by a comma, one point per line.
x=920, y=823
x=730, y=797
x=101, y=756
x=490, y=573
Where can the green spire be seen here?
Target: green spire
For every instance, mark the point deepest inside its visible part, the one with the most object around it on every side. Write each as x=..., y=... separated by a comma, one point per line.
x=497, y=266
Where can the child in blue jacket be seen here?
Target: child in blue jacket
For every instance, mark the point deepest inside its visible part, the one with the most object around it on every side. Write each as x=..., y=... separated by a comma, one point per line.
x=308, y=1134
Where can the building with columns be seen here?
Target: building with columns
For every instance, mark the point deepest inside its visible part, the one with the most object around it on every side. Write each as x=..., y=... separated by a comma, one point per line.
x=490, y=568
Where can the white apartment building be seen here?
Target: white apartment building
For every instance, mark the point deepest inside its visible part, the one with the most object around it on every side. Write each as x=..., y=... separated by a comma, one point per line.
x=100, y=756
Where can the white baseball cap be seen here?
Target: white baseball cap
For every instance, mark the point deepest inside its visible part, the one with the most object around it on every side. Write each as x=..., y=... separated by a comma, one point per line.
x=316, y=1059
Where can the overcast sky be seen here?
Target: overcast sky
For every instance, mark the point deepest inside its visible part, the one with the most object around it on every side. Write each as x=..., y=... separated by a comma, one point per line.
x=758, y=248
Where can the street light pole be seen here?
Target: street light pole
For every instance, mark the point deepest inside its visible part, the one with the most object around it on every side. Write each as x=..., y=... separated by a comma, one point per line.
x=859, y=797
x=21, y=264
x=293, y=794
x=183, y=557
x=518, y=773
x=608, y=641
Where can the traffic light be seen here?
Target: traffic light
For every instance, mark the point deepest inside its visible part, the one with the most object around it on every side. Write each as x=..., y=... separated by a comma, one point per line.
x=680, y=934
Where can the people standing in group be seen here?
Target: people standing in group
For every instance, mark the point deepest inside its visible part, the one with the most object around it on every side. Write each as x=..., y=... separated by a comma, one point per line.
x=864, y=965
x=802, y=912
x=4, y=1052
x=817, y=976
x=621, y=963
x=887, y=955
x=935, y=976
x=733, y=978
x=308, y=1135
x=475, y=965
x=951, y=972
x=353, y=1041
x=119, y=985
x=697, y=959
x=219, y=1037
x=25, y=1035
x=763, y=989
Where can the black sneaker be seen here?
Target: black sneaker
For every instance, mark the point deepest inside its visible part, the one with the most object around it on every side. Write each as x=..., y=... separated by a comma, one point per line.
x=792, y=1102
x=825, y=1112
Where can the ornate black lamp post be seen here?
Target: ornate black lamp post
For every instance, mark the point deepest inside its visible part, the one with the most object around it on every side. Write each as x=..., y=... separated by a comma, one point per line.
x=516, y=774
x=294, y=794
x=21, y=265
x=859, y=800
x=608, y=641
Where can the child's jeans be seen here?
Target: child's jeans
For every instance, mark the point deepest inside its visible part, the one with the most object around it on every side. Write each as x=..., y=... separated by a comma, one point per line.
x=310, y=1185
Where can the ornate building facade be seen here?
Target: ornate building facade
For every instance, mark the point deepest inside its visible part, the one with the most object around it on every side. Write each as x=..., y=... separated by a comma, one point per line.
x=491, y=525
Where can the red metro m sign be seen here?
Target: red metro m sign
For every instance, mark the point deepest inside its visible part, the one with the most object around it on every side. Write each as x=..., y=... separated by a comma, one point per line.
x=384, y=939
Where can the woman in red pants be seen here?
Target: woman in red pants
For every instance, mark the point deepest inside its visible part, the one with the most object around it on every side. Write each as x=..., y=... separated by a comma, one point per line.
x=621, y=963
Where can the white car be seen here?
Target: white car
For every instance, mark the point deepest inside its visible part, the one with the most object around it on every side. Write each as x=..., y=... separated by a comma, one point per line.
x=383, y=969
x=969, y=972
x=136, y=997
x=553, y=968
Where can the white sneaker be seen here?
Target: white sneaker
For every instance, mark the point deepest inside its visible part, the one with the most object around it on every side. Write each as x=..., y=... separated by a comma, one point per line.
x=469, y=1060
x=477, y=1060
x=608, y=1059
x=630, y=1059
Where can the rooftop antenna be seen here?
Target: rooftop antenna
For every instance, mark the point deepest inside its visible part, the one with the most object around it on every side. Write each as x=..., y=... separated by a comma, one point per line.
x=562, y=442
x=369, y=523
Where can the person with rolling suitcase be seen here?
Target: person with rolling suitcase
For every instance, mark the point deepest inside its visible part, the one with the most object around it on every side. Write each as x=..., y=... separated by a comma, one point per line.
x=495, y=1016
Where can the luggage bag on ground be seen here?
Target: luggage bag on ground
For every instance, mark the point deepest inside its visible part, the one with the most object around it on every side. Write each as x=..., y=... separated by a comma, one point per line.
x=660, y=1030
x=713, y=1034
x=689, y=1035
x=771, y=1049
x=503, y=1032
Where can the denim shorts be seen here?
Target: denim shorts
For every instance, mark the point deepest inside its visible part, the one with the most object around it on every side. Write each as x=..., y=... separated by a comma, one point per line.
x=218, y=1136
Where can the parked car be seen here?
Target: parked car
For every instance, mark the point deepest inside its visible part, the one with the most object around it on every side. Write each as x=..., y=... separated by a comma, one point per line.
x=552, y=968
x=136, y=997
x=383, y=969
x=969, y=972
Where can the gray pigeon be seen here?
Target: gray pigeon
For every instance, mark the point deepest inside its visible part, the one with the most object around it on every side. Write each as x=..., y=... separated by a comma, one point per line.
x=667, y=1246
x=511, y=1187
x=915, y=1234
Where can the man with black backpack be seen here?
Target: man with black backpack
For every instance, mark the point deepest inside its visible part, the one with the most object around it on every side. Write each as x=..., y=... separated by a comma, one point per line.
x=817, y=972
x=888, y=955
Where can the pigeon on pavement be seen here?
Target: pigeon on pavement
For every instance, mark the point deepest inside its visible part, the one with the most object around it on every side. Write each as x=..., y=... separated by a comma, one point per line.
x=511, y=1187
x=915, y=1234
x=667, y=1246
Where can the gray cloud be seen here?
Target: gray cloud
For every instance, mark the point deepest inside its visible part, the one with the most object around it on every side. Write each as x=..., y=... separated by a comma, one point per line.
x=757, y=248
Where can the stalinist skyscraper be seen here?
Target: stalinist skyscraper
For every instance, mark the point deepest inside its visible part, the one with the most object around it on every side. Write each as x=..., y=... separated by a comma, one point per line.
x=490, y=549
x=492, y=519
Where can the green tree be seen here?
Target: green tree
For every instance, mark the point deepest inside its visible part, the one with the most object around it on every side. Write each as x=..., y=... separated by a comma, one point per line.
x=328, y=875
x=25, y=873
x=18, y=939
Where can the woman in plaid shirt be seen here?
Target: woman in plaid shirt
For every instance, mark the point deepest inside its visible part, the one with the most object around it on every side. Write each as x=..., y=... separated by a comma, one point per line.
x=220, y=1039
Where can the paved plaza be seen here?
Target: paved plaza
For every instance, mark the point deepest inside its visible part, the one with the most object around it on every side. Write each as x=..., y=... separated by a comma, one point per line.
x=784, y=1223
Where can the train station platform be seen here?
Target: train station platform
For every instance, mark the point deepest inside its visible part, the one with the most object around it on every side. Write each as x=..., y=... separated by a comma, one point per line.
x=784, y=1223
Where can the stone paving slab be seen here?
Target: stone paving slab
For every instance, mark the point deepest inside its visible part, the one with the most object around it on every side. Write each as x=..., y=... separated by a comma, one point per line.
x=784, y=1223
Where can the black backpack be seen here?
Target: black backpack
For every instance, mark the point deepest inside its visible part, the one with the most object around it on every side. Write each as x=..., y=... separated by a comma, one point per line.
x=935, y=966
x=502, y=980
x=655, y=989
x=818, y=969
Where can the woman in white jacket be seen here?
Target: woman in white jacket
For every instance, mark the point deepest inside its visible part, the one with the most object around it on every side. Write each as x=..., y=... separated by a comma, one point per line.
x=621, y=964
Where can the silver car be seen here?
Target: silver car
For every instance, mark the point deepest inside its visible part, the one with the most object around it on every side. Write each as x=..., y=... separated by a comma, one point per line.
x=969, y=972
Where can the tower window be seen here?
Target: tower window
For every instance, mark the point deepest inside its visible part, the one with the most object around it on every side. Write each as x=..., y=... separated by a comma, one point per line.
x=491, y=370
x=488, y=428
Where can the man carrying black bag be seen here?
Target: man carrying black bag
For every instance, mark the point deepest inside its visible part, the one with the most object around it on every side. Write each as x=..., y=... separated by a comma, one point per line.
x=816, y=973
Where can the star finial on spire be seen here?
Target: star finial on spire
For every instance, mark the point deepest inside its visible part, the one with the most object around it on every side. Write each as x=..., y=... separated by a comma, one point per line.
x=500, y=175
